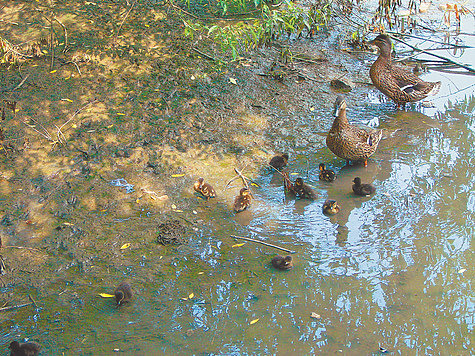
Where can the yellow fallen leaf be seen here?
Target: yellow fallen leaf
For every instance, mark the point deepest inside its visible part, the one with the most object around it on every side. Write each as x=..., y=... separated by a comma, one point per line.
x=200, y=272
x=184, y=298
x=53, y=71
x=194, y=212
x=312, y=109
x=124, y=246
x=120, y=114
x=66, y=99
x=238, y=245
x=462, y=270
x=74, y=126
x=178, y=211
x=177, y=175
x=254, y=321
x=232, y=80
x=191, y=295
x=315, y=315
x=147, y=25
x=254, y=184
x=110, y=126
x=138, y=200
x=294, y=174
x=173, y=206
x=105, y=295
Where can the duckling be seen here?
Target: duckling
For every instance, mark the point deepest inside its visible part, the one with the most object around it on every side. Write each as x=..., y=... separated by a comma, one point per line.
x=362, y=189
x=204, y=188
x=330, y=207
x=279, y=161
x=25, y=349
x=396, y=83
x=282, y=263
x=243, y=200
x=123, y=293
x=303, y=190
x=327, y=175
x=349, y=141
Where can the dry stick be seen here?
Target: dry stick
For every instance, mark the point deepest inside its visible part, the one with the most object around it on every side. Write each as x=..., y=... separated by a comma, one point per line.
x=65, y=34
x=33, y=301
x=23, y=247
x=14, y=307
x=4, y=284
x=204, y=54
x=433, y=41
x=17, y=87
x=263, y=243
x=72, y=62
x=120, y=27
x=436, y=55
x=72, y=117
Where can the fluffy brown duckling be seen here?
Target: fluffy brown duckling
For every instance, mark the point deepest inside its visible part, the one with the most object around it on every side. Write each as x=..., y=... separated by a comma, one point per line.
x=279, y=161
x=204, y=188
x=243, y=200
x=282, y=263
x=327, y=175
x=123, y=293
x=303, y=190
x=25, y=349
x=362, y=189
x=330, y=207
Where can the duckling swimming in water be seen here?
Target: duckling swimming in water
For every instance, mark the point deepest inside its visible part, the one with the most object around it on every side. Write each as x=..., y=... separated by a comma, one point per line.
x=327, y=175
x=362, y=189
x=243, y=200
x=279, y=161
x=204, y=188
x=303, y=190
x=330, y=207
x=282, y=263
x=123, y=293
x=25, y=349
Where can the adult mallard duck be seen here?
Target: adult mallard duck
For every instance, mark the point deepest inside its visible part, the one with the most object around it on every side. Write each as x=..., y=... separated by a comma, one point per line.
x=204, y=188
x=282, y=263
x=363, y=189
x=394, y=82
x=348, y=141
x=325, y=174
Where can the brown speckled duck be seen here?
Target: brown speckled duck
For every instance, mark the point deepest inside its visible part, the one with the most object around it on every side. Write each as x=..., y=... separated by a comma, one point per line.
x=303, y=191
x=362, y=189
x=394, y=82
x=282, y=263
x=349, y=141
x=243, y=200
x=327, y=175
x=123, y=293
x=279, y=161
x=204, y=188
x=25, y=349
x=330, y=207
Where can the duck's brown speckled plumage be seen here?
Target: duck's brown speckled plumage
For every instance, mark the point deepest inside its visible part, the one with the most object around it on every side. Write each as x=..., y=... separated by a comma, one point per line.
x=304, y=191
x=362, y=189
x=325, y=174
x=24, y=349
x=348, y=141
x=394, y=82
x=243, y=200
x=204, y=188
x=330, y=207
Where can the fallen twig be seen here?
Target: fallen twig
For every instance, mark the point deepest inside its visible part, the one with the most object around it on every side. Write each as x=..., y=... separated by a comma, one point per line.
x=123, y=20
x=17, y=87
x=72, y=117
x=262, y=243
x=204, y=54
x=14, y=307
x=33, y=301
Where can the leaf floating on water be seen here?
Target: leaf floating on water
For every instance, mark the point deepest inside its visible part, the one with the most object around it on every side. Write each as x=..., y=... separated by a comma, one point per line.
x=184, y=298
x=462, y=270
x=294, y=174
x=232, y=80
x=178, y=175
x=53, y=71
x=315, y=316
x=105, y=295
x=191, y=295
x=124, y=246
x=254, y=321
x=254, y=184
x=238, y=245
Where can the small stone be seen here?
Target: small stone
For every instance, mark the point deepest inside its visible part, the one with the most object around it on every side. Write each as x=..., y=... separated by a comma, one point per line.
x=344, y=85
x=315, y=316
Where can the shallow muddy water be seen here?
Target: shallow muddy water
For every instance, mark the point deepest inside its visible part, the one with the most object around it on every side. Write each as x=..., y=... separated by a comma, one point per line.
x=394, y=270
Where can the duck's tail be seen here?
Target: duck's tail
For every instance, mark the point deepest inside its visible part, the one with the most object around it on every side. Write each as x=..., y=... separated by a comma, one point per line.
x=435, y=88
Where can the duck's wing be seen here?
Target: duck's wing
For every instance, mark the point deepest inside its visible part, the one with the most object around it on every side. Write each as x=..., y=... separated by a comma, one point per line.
x=411, y=84
x=369, y=139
